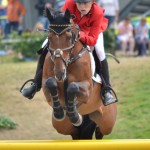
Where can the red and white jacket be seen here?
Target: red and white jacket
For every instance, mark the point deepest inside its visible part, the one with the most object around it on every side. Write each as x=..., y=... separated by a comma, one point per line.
x=91, y=25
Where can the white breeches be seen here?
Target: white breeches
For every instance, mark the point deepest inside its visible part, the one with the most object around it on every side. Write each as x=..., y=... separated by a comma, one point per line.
x=99, y=47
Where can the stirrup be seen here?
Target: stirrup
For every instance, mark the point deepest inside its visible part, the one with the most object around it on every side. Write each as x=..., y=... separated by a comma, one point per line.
x=30, y=80
x=108, y=88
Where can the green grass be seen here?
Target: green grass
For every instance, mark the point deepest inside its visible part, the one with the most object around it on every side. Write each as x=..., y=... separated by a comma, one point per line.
x=7, y=123
x=130, y=79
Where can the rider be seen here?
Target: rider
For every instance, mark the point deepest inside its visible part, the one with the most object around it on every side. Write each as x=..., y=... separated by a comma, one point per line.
x=90, y=19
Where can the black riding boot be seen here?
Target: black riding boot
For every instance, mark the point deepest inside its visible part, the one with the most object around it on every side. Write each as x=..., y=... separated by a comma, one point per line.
x=37, y=81
x=108, y=98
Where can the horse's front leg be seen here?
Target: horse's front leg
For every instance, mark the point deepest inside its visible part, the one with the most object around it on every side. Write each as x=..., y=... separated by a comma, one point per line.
x=58, y=112
x=75, y=90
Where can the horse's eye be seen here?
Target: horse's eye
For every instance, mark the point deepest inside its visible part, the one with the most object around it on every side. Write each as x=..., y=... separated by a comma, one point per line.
x=68, y=37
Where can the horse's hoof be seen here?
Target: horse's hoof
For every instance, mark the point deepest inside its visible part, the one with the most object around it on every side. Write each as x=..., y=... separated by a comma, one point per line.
x=59, y=116
x=79, y=122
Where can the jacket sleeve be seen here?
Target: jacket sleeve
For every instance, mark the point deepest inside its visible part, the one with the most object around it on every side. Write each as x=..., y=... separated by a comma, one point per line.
x=22, y=10
x=97, y=26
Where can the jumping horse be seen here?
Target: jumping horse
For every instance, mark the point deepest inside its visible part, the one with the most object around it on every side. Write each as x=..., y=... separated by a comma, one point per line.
x=68, y=86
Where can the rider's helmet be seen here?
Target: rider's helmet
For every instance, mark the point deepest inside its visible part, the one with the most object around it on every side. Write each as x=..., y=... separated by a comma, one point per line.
x=82, y=1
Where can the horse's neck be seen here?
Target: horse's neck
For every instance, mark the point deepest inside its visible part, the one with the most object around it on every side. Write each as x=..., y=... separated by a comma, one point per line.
x=78, y=47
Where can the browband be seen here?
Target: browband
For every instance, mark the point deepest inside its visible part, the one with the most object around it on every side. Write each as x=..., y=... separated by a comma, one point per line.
x=60, y=25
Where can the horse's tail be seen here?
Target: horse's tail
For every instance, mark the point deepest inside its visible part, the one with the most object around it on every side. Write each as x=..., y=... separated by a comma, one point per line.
x=86, y=129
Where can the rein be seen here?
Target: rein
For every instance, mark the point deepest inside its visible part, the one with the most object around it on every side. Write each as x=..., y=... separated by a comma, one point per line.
x=59, y=52
x=69, y=27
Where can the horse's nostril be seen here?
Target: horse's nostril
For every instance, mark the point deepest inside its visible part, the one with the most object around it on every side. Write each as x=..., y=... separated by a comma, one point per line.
x=61, y=75
x=64, y=71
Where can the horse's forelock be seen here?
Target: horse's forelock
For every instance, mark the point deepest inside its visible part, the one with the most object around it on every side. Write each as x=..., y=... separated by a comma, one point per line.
x=59, y=19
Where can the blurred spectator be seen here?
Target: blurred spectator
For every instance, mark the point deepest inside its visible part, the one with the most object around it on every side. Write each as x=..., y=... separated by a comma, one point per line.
x=40, y=6
x=15, y=13
x=141, y=36
x=1, y=32
x=3, y=16
x=52, y=2
x=111, y=10
x=58, y=4
x=125, y=35
x=38, y=26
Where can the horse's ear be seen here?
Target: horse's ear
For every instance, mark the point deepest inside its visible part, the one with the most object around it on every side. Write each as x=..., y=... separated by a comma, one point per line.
x=49, y=15
x=67, y=15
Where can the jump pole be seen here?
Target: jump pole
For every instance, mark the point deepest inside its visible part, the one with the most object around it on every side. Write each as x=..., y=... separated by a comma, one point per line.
x=76, y=145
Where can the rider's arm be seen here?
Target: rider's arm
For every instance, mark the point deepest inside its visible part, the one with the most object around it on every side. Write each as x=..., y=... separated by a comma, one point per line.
x=97, y=26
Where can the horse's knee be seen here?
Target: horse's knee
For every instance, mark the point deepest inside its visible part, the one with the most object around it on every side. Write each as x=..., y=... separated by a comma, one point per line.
x=106, y=131
x=51, y=84
x=72, y=89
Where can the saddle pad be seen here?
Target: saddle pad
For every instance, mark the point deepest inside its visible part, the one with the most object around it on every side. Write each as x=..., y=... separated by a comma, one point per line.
x=96, y=77
x=44, y=43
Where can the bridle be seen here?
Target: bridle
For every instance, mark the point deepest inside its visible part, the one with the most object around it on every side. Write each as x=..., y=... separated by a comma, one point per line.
x=58, y=53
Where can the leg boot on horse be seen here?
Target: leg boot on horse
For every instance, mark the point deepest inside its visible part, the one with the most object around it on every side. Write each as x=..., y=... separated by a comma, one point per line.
x=37, y=81
x=108, y=98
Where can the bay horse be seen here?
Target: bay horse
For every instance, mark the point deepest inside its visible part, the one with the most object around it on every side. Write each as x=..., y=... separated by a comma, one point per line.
x=68, y=86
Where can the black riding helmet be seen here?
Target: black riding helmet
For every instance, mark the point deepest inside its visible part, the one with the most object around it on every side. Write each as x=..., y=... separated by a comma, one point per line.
x=82, y=1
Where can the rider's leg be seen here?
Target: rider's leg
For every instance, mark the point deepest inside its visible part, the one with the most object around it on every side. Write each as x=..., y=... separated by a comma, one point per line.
x=37, y=81
x=99, y=47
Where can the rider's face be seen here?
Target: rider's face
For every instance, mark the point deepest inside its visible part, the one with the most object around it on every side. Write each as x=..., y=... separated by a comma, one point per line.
x=84, y=8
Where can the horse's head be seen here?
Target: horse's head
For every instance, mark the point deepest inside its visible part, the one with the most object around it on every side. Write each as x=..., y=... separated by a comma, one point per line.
x=62, y=39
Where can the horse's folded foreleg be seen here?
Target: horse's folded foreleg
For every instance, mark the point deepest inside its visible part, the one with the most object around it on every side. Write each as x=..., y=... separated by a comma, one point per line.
x=58, y=112
x=74, y=90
